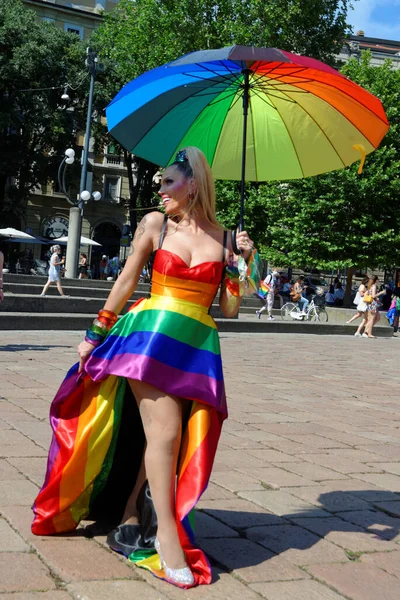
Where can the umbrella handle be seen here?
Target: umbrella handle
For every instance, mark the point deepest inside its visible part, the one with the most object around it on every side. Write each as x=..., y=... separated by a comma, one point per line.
x=233, y=238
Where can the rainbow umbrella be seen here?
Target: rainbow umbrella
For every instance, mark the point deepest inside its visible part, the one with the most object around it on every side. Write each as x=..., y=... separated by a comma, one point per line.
x=258, y=114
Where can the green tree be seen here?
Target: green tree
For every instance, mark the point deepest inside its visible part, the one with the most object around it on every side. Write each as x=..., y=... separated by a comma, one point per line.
x=36, y=61
x=342, y=219
x=142, y=34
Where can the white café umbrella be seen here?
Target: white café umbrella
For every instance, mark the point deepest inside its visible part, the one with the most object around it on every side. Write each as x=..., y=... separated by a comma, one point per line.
x=84, y=241
x=11, y=233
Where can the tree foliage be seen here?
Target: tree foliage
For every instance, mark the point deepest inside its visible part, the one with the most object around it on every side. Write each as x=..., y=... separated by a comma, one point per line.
x=34, y=128
x=139, y=35
x=341, y=218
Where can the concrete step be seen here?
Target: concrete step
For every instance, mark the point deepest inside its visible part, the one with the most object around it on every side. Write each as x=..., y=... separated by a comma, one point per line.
x=335, y=315
x=26, y=304
x=53, y=321
x=95, y=290
x=39, y=280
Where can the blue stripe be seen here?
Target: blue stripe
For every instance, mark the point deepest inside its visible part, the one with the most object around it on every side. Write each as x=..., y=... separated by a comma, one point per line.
x=164, y=349
x=202, y=70
x=181, y=86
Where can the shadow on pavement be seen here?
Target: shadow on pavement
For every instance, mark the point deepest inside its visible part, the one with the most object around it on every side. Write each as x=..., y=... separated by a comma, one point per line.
x=24, y=347
x=260, y=534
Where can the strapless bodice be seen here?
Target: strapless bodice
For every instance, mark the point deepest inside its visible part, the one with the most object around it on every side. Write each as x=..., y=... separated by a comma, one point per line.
x=173, y=279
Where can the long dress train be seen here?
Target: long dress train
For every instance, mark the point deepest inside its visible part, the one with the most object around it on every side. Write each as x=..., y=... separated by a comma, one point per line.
x=171, y=342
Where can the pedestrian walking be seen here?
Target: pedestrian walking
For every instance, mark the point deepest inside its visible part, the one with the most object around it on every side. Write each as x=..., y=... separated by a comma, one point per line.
x=271, y=284
x=361, y=307
x=371, y=298
x=54, y=271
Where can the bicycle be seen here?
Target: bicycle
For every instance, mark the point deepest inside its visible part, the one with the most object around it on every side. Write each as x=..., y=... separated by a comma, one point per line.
x=313, y=312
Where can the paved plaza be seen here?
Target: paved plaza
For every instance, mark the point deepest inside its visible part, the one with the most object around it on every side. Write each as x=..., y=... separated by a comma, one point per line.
x=304, y=499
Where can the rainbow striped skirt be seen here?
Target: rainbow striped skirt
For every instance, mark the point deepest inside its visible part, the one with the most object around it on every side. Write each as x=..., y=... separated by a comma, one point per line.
x=171, y=342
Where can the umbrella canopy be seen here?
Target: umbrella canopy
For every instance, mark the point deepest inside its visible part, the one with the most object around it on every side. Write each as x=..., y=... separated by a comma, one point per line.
x=15, y=234
x=257, y=114
x=84, y=241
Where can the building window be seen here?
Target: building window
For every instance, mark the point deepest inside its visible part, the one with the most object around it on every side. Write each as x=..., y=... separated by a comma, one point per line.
x=48, y=20
x=112, y=156
x=71, y=28
x=111, y=188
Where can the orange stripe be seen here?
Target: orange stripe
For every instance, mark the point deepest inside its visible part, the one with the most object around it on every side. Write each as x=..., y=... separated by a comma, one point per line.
x=196, y=430
x=169, y=281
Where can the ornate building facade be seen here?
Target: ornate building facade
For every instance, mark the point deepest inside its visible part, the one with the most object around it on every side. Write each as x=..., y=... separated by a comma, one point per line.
x=48, y=210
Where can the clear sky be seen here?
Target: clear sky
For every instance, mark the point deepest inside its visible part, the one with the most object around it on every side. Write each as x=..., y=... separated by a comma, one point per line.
x=377, y=18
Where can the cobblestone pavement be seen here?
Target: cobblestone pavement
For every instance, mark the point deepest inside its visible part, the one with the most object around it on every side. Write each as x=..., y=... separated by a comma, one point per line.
x=304, y=500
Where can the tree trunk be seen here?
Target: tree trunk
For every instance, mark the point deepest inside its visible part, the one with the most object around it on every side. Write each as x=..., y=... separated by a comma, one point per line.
x=133, y=191
x=143, y=187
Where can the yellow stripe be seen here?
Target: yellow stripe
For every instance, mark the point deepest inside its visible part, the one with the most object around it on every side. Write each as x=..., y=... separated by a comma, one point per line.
x=174, y=305
x=197, y=298
x=99, y=436
x=196, y=430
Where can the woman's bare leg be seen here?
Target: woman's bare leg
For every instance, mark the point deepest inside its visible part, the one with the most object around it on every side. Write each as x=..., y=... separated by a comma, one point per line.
x=162, y=422
x=370, y=324
x=59, y=287
x=46, y=287
x=356, y=316
x=363, y=323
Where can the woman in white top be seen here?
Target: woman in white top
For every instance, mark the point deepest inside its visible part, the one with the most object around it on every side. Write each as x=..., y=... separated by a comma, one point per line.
x=54, y=271
x=361, y=307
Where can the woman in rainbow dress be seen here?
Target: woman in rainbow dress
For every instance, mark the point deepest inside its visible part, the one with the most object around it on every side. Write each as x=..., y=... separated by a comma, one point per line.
x=142, y=411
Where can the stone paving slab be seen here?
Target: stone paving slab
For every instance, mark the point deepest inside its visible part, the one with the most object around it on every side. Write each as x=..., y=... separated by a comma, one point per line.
x=304, y=500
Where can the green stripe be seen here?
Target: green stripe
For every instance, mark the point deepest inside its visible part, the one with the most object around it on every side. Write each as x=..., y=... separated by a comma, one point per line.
x=174, y=325
x=206, y=129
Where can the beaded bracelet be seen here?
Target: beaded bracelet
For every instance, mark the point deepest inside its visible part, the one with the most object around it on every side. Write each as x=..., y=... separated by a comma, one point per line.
x=100, y=327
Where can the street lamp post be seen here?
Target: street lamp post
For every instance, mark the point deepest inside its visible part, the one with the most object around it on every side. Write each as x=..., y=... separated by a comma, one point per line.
x=76, y=212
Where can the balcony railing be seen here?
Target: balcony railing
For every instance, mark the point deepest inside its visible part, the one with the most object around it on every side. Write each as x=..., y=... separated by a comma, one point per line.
x=114, y=160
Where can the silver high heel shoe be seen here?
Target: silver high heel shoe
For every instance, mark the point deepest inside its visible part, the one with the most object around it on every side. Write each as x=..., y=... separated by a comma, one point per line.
x=182, y=576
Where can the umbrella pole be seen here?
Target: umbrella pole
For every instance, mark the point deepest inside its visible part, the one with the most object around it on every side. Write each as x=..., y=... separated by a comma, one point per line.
x=243, y=178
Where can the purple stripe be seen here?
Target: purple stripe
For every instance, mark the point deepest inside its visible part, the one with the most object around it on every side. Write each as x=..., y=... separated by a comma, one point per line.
x=170, y=380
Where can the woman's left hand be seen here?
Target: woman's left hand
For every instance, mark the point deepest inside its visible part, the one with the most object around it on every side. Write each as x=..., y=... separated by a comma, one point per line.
x=244, y=244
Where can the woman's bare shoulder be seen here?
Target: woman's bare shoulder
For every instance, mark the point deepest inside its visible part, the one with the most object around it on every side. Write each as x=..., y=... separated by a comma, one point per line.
x=154, y=218
x=151, y=223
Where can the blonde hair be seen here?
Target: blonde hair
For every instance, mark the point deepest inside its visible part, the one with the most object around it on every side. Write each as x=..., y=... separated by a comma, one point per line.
x=54, y=248
x=197, y=167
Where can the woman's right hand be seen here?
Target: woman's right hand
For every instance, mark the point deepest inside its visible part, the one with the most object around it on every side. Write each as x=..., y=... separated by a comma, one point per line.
x=84, y=350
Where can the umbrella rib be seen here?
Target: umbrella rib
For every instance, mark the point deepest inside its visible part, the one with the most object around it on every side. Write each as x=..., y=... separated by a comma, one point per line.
x=271, y=83
x=256, y=93
x=221, y=128
x=321, y=130
x=293, y=144
x=325, y=85
x=239, y=96
x=201, y=65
